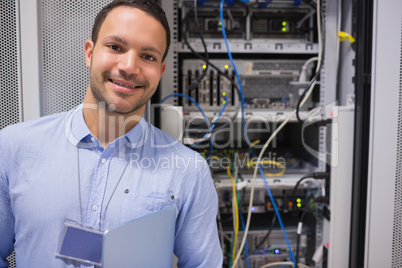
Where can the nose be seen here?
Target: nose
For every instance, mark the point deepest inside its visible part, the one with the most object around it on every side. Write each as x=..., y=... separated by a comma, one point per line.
x=129, y=64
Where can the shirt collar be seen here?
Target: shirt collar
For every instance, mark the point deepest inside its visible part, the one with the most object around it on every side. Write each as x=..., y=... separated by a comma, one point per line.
x=77, y=131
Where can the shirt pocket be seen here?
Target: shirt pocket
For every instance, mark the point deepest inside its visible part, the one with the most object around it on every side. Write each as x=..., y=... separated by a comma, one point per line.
x=138, y=204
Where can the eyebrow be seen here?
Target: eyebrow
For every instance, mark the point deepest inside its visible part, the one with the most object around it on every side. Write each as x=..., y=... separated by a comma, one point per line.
x=124, y=42
x=153, y=49
x=117, y=39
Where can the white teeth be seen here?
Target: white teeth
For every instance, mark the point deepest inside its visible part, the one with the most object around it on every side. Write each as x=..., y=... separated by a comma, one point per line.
x=117, y=83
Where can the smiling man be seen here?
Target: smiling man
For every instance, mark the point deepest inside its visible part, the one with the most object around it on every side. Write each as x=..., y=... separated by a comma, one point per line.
x=102, y=164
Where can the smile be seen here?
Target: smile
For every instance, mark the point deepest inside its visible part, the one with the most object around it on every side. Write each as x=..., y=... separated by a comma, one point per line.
x=123, y=85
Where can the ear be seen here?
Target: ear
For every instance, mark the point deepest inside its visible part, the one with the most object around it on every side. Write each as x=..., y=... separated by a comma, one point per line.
x=89, y=47
x=163, y=68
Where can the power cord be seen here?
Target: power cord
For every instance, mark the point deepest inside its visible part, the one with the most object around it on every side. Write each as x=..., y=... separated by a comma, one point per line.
x=315, y=175
x=321, y=199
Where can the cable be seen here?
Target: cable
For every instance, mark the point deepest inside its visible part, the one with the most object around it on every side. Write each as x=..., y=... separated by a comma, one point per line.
x=246, y=247
x=212, y=127
x=235, y=70
x=220, y=72
x=271, y=227
x=274, y=264
x=303, y=72
x=315, y=175
x=304, y=99
x=322, y=199
x=275, y=163
x=220, y=228
x=236, y=212
x=310, y=86
x=202, y=112
x=273, y=135
x=190, y=99
x=196, y=81
x=277, y=214
x=243, y=191
x=321, y=184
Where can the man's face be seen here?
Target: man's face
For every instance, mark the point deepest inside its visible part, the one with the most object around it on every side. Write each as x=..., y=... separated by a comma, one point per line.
x=126, y=62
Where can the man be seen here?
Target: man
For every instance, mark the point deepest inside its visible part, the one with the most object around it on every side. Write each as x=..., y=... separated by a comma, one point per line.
x=101, y=164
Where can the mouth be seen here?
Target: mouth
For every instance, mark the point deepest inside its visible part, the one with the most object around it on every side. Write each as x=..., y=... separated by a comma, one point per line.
x=124, y=85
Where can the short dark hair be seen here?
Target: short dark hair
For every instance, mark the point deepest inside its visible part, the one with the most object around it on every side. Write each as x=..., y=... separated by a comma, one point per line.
x=148, y=6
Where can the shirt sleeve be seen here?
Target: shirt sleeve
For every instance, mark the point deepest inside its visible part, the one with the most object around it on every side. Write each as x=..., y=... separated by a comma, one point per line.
x=197, y=242
x=6, y=216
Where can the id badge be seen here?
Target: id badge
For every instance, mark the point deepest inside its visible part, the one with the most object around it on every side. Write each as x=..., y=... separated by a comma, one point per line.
x=80, y=244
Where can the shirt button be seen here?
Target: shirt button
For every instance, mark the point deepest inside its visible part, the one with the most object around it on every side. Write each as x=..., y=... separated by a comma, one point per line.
x=94, y=207
x=93, y=139
x=103, y=160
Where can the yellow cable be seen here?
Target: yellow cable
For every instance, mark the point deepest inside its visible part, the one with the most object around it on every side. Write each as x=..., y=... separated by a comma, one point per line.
x=214, y=157
x=272, y=162
x=254, y=143
x=345, y=36
x=236, y=212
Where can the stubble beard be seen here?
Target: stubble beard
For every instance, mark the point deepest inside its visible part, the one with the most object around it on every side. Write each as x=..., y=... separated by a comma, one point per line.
x=97, y=87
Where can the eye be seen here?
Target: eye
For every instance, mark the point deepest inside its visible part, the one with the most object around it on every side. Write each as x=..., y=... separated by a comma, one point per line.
x=149, y=57
x=114, y=47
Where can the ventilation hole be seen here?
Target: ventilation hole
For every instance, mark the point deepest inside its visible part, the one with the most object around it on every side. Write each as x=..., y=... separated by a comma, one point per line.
x=397, y=227
x=9, y=86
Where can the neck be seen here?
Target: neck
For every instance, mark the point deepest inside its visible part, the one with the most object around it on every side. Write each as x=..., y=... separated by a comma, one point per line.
x=106, y=125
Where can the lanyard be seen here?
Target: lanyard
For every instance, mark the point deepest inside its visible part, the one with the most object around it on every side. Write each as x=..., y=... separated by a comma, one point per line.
x=111, y=196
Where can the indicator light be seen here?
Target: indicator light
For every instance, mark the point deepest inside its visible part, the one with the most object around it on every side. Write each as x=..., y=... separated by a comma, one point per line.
x=284, y=23
x=204, y=66
x=252, y=209
x=284, y=29
x=298, y=205
x=224, y=93
x=223, y=102
x=226, y=66
x=298, y=200
x=277, y=251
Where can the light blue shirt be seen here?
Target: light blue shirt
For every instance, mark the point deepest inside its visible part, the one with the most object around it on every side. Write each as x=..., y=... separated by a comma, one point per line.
x=44, y=163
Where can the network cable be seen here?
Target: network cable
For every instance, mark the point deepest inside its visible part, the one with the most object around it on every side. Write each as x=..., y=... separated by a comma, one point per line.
x=246, y=247
x=273, y=135
x=277, y=214
x=322, y=199
x=202, y=112
x=220, y=72
x=235, y=70
x=190, y=99
x=195, y=83
x=236, y=213
x=315, y=175
x=321, y=49
x=271, y=227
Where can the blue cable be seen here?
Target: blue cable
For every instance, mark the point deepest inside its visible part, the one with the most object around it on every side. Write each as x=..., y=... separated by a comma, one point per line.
x=235, y=70
x=213, y=125
x=211, y=148
x=220, y=113
x=277, y=214
x=246, y=247
x=202, y=112
x=190, y=99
